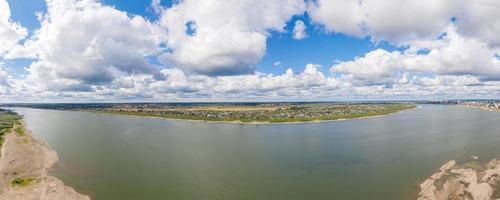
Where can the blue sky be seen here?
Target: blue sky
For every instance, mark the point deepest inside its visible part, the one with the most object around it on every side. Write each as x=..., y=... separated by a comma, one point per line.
x=321, y=47
x=110, y=50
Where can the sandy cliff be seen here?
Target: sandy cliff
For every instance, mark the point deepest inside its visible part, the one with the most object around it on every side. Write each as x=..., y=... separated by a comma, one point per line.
x=471, y=180
x=24, y=164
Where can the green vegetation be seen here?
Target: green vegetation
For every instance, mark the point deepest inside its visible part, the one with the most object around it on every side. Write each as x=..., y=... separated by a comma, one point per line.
x=475, y=165
x=8, y=121
x=272, y=113
x=19, y=128
x=22, y=182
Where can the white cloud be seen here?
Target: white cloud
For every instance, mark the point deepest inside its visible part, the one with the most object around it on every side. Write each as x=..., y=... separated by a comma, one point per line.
x=310, y=84
x=156, y=6
x=460, y=55
x=481, y=19
x=396, y=21
x=6, y=89
x=84, y=43
x=343, y=16
x=230, y=36
x=299, y=31
x=277, y=63
x=376, y=67
x=10, y=32
x=401, y=21
x=256, y=86
x=453, y=54
x=87, y=51
x=447, y=80
x=3, y=76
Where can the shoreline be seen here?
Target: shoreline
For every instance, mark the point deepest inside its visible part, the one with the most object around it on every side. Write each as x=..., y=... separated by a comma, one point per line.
x=25, y=164
x=252, y=122
x=479, y=107
x=473, y=178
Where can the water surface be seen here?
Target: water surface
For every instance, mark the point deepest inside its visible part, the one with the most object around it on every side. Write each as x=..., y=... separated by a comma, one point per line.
x=129, y=158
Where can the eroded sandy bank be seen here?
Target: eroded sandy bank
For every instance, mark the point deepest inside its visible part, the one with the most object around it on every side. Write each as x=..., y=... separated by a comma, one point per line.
x=471, y=180
x=24, y=166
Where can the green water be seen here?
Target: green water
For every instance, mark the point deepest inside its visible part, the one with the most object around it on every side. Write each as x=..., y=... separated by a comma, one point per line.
x=132, y=158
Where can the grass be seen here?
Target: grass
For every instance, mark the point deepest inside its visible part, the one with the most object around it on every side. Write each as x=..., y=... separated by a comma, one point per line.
x=19, y=128
x=22, y=182
x=474, y=165
x=271, y=114
x=8, y=121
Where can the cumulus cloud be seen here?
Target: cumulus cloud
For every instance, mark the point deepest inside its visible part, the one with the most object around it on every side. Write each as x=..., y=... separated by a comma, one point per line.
x=229, y=37
x=207, y=50
x=178, y=84
x=84, y=43
x=343, y=16
x=481, y=19
x=452, y=54
x=376, y=67
x=156, y=6
x=401, y=21
x=3, y=77
x=447, y=80
x=309, y=84
x=10, y=32
x=6, y=87
x=299, y=31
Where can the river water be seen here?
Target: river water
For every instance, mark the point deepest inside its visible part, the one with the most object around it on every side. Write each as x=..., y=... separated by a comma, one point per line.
x=114, y=157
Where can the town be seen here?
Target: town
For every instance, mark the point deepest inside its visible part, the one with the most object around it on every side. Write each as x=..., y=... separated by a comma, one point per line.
x=493, y=105
x=267, y=112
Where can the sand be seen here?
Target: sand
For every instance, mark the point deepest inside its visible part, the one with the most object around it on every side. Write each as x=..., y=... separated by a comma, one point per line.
x=23, y=156
x=471, y=180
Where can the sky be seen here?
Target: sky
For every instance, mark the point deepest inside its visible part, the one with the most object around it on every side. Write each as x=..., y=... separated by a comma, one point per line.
x=248, y=50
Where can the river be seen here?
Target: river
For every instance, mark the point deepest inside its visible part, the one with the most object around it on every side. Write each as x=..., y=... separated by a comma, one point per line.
x=128, y=158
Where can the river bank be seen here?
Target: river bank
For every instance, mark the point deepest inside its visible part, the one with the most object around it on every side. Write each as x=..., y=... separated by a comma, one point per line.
x=24, y=166
x=473, y=180
x=482, y=108
x=250, y=122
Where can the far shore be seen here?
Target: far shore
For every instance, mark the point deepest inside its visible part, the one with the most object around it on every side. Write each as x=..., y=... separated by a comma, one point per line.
x=251, y=122
x=479, y=107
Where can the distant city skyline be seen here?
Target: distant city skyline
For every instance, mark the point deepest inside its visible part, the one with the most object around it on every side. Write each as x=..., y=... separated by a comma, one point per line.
x=246, y=50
